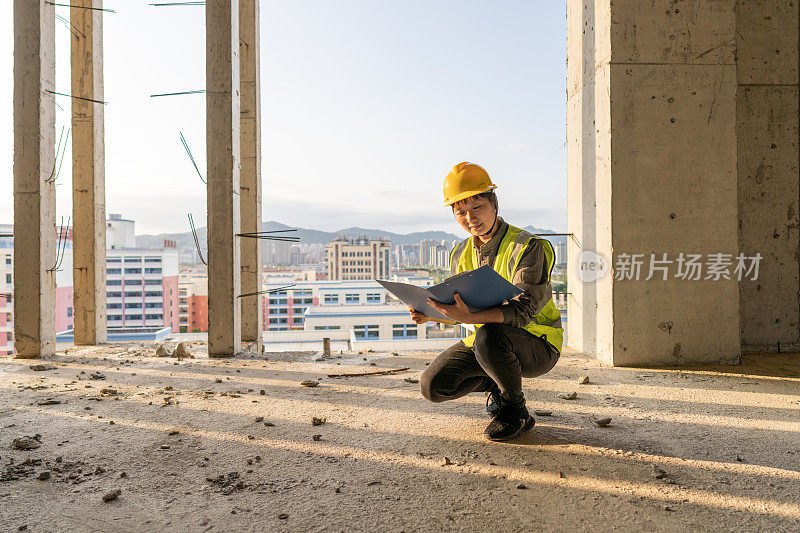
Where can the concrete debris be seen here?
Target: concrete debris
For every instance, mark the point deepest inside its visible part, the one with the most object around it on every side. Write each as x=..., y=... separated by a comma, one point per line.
x=44, y=475
x=97, y=375
x=568, y=395
x=41, y=367
x=309, y=383
x=182, y=352
x=601, y=422
x=161, y=351
x=446, y=461
x=315, y=421
x=27, y=443
x=48, y=401
x=540, y=412
x=522, y=486
x=411, y=380
x=111, y=496
x=584, y=380
x=316, y=437
x=108, y=392
x=228, y=483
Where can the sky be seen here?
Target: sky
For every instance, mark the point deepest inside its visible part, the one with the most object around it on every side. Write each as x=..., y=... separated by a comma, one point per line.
x=366, y=105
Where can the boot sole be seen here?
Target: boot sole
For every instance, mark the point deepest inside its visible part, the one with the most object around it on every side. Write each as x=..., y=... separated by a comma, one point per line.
x=525, y=427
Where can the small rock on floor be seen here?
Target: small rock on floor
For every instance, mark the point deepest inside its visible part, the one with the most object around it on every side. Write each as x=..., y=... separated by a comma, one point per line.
x=113, y=495
x=41, y=367
x=181, y=351
x=601, y=422
x=309, y=383
x=411, y=380
x=584, y=380
x=540, y=412
x=568, y=395
x=27, y=443
x=161, y=351
x=316, y=421
x=522, y=486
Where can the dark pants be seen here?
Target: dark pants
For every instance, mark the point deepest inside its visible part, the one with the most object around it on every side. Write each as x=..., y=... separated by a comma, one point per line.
x=501, y=355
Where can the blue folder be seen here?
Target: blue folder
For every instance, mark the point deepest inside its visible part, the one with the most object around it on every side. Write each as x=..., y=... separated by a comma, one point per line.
x=480, y=289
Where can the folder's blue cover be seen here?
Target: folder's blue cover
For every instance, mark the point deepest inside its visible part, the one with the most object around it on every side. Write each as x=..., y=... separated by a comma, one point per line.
x=482, y=288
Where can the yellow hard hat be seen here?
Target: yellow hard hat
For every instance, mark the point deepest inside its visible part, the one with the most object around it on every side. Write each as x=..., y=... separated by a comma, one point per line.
x=465, y=180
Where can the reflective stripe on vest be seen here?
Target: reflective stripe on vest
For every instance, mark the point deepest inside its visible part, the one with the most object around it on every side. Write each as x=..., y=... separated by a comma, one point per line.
x=546, y=323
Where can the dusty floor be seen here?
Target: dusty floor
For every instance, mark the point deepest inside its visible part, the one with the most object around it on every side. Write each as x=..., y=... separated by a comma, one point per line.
x=185, y=444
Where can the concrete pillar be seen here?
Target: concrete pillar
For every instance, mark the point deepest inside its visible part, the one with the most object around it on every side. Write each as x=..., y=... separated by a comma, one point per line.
x=88, y=174
x=34, y=195
x=223, y=159
x=652, y=170
x=767, y=137
x=250, y=186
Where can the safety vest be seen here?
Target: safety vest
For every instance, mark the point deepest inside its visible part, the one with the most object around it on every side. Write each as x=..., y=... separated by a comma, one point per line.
x=547, y=323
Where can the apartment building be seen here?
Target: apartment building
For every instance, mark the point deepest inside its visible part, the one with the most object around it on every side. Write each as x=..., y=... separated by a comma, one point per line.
x=6, y=289
x=192, y=302
x=358, y=259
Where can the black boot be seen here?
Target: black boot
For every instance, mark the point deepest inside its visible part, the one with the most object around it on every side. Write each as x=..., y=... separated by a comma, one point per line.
x=510, y=422
x=493, y=400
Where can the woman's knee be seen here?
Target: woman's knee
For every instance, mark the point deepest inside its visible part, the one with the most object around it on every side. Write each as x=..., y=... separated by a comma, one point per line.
x=430, y=385
x=489, y=338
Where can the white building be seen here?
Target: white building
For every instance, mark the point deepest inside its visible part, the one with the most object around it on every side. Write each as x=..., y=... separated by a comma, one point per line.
x=376, y=322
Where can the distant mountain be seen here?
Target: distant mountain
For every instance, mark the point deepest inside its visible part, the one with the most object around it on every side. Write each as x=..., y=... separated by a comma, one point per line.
x=313, y=236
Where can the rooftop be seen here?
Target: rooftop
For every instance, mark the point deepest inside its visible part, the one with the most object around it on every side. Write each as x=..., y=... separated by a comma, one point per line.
x=708, y=448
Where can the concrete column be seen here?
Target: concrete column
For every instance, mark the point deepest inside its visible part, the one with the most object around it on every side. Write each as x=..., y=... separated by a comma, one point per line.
x=88, y=174
x=249, y=46
x=767, y=136
x=652, y=170
x=223, y=157
x=34, y=196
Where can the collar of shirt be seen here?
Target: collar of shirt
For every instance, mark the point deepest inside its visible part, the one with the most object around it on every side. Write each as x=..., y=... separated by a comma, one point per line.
x=487, y=252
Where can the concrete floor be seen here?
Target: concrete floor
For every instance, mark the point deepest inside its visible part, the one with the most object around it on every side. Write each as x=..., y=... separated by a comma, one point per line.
x=195, y=458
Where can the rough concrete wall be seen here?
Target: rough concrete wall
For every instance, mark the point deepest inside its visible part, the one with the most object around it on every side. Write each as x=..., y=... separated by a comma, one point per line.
x=673, y=86
x=588, y=171
x=767, y=138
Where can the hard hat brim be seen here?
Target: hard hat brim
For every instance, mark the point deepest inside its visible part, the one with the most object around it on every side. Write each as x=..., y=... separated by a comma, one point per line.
x=466, y=194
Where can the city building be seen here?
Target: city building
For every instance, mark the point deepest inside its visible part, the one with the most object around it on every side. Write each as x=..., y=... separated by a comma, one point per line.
x=6, y=289
x=285, y=308
x=378, y=322
x=193, y=302
x=141, y=283
x=358, y=259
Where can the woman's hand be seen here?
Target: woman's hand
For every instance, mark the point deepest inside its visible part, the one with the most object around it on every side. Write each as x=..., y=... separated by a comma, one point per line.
x=458, y=311
x=416, y=316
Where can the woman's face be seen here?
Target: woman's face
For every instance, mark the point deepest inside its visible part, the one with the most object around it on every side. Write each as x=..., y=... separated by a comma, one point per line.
x=475, y=214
